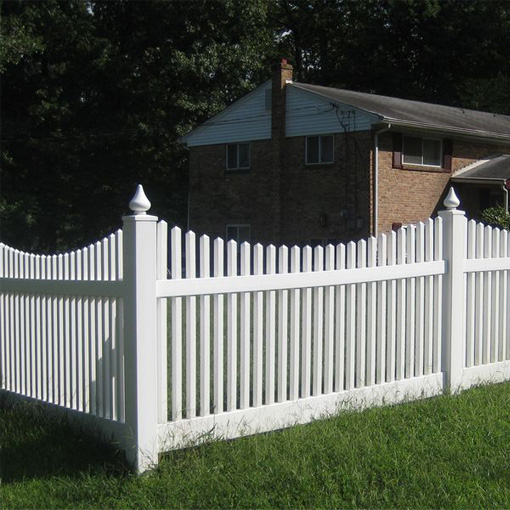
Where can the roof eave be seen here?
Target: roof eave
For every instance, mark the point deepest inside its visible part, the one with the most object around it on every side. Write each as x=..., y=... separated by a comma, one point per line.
x=480, y=180
x=497, y=137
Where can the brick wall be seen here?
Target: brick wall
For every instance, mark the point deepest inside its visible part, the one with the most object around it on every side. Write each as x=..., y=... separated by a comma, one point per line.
x=411, y=195
x=329, y=201
x=218, y=197
x=319, y=201
x=312, y=202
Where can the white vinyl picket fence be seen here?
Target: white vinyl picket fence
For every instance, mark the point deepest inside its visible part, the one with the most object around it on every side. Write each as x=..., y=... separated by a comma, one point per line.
x=231, y=340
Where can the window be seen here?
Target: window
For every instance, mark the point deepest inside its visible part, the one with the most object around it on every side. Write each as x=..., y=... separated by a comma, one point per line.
x=239, y=233
x=238, y=156
x=421, y=151
x=319, y=149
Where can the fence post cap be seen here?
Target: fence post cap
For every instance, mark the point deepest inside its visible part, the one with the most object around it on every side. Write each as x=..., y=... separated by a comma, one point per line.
x=139, y=203
x=451, y=201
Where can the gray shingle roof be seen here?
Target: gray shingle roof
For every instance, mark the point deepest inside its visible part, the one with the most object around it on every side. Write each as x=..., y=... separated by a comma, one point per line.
x=403, y=112
x=497, y=167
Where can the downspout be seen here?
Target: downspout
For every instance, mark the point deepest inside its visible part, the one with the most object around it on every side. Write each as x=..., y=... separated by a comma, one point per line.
x=505, y=187
x=376, y=176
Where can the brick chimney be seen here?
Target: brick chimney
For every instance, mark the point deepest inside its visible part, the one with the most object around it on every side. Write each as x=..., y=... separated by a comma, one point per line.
x=282, y=75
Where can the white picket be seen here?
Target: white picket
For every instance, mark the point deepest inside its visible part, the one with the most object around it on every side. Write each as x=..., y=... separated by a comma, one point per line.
x=86, y=360
x=506, y=314
x=33, y=331
x=162, y=274
x=329, y=324
x=283, y=327
x=419, y=304
x=410, y=305
x=23, y=336
x=39, y=342
x=218, y=371
x=318, y=325
x=113, y=339
x=503, y=299
x=245, y=339
x=191, y=329
x=17, y=327
x=176, y=272
x=258, y=305
x=205, y=330
x=232, y=330
x=381, y=348
x=92, y=333
x=55, y=332
x=401, y=308
x=306, y=318
x=487, y=304
x=371, y=315
x=339, y=367
x=350, y=321
x=99, y=335
x=361, y=318
x=470, y=297
x=120, y=331
x=295, y=321
x=494, y=318
x=270, y=331
x=428, y=341
x=438, y=302
x=479, y=281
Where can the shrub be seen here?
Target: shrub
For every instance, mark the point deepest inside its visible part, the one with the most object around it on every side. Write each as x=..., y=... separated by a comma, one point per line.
x=496, y=217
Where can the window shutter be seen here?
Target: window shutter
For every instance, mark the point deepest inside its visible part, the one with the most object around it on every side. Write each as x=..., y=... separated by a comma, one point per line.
x=447, y=155
x=397, y=150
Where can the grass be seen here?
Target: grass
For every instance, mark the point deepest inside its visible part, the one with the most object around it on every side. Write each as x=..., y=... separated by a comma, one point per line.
x=449, y=451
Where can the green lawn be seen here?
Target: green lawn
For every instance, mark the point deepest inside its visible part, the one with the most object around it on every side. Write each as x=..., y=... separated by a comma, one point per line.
x=437, y=453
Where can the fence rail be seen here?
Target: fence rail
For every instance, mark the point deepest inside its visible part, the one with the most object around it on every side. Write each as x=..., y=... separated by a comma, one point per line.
x=239, y=339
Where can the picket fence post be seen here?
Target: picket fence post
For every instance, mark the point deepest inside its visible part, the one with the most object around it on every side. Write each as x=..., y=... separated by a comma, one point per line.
x=140, y=333
x=454, y=252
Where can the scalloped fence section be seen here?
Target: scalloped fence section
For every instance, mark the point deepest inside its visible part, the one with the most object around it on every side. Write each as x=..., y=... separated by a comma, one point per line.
x=61, y=329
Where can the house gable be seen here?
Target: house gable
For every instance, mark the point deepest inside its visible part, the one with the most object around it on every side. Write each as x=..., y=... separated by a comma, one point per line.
x=245, y=120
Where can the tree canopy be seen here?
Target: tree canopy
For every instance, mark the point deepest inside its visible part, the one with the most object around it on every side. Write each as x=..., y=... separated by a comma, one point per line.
x=96, y=94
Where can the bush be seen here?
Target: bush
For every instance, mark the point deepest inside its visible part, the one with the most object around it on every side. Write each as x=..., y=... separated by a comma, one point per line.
x=496, y=217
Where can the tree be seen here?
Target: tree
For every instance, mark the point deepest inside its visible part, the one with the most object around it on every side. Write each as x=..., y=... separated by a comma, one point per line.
x=95, y=94
x=95, y=98
x=452, y=52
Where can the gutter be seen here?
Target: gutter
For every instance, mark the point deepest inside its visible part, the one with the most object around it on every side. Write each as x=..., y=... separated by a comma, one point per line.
x=485, y=135
x=376, y=175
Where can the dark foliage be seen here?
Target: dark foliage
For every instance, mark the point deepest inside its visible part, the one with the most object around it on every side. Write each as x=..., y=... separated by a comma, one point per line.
x=95, y=95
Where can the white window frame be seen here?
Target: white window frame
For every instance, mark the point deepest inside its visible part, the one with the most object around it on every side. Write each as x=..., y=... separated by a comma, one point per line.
x=238, y=226
x=237, y=144
x=422, y=138
x=320, y=150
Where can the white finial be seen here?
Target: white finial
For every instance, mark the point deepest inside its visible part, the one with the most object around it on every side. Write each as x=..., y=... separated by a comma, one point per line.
x=451, y=201
x=139, y=203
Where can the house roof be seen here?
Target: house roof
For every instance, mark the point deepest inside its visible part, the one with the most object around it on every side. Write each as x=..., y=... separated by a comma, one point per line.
x=493, y=168
x=406, y=113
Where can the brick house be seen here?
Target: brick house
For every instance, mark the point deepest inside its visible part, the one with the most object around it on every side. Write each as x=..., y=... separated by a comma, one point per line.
x=294, y=163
